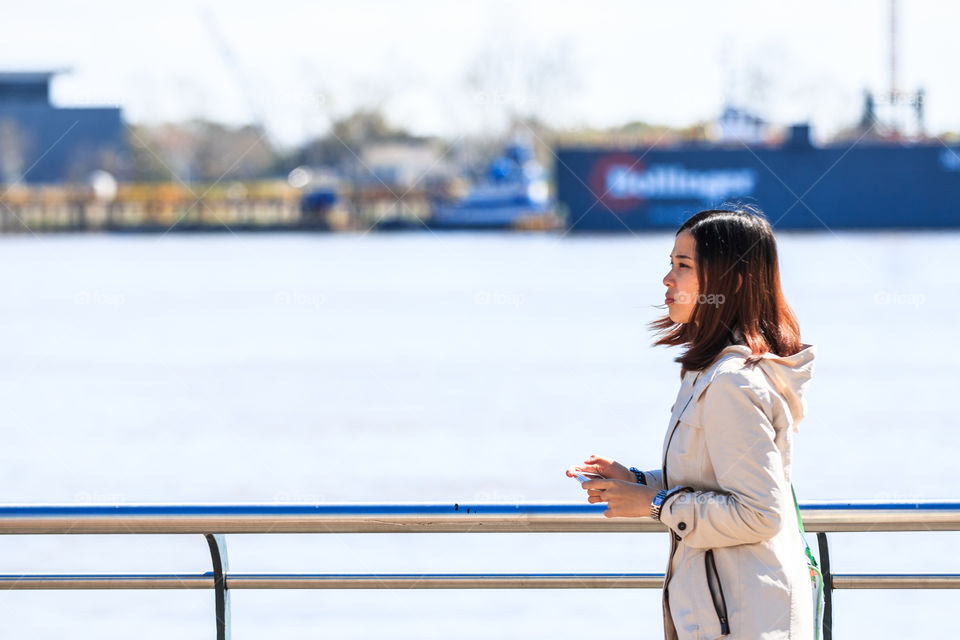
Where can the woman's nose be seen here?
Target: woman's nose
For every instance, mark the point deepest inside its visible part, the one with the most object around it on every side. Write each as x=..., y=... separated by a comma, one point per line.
x=668, y=279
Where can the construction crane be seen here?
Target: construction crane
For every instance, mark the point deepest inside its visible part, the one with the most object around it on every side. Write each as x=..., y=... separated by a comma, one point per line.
x=230, y=60
x=896, y=101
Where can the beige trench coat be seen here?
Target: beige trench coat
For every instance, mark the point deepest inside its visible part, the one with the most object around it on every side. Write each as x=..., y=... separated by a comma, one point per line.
x=737, y=561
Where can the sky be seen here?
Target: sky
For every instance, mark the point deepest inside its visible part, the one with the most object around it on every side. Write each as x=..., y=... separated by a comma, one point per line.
x=459, y=68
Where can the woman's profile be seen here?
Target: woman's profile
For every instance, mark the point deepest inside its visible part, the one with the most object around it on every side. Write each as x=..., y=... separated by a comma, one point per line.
x=736, y=567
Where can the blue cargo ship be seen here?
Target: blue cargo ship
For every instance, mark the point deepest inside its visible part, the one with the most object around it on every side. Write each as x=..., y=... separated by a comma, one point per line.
x=857, y=185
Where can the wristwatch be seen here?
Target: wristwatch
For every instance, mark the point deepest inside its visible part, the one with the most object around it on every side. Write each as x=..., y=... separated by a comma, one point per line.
x=639, y=474
x=657, y=504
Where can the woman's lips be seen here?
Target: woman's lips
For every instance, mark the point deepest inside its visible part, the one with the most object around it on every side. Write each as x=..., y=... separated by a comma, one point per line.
x=668, y=300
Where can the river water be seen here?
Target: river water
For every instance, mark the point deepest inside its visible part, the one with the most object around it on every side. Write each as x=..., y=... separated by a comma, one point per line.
x=433, y=367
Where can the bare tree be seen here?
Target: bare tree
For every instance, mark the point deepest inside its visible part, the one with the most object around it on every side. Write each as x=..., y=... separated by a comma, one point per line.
x=510, y=82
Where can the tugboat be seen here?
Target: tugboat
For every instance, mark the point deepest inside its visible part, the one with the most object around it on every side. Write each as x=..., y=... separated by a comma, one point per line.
x=512, y=194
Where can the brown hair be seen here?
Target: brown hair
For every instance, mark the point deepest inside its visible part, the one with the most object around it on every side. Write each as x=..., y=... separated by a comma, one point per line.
x=739, y=279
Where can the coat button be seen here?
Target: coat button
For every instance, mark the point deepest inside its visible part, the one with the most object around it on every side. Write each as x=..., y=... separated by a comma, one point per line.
x=676, y=537
x=682, y=526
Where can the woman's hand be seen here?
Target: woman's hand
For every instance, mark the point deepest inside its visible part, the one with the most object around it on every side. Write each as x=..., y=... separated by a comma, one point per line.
x=624, y=499
x=605, y=467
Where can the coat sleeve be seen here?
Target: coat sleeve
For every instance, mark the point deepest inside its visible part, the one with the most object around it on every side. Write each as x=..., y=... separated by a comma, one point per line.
x=653, y=479
x=740, y=442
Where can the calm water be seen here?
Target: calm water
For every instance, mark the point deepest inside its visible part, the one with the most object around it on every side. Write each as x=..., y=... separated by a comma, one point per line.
x=457, y=368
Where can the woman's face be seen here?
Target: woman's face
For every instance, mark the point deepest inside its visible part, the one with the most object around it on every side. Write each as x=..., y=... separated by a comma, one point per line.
x=681, y=282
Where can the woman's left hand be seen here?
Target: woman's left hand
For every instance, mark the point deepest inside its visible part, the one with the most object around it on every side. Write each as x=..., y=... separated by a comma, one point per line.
x=624, y=499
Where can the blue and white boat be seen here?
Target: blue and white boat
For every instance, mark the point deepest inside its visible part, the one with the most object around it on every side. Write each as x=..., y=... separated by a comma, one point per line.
x=514, y=190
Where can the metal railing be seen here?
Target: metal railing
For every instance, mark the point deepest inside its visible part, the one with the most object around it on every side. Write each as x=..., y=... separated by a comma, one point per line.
x=214, y=521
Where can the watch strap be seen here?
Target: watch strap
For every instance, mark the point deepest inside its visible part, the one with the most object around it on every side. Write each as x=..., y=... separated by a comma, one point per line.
x=657, y=503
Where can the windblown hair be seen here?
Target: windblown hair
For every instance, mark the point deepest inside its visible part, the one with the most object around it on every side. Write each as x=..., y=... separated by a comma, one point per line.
x=739, y=277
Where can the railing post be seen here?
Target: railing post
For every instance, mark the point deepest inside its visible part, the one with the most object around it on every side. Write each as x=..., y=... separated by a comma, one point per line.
x=218, y=553
x=827, y=585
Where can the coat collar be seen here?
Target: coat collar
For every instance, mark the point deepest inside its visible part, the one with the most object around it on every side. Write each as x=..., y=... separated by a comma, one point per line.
x=694, y=382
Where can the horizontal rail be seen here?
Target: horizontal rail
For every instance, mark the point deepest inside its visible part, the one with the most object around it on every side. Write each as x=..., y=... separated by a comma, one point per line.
x=216, y=520
x=425, y=581
x=428, y=518
x=896, y=581
x=34, y=581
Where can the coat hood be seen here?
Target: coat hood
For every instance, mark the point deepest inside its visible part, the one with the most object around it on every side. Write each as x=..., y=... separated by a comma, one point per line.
x=789, y=375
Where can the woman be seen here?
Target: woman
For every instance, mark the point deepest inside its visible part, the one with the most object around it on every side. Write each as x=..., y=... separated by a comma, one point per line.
x=737, y=567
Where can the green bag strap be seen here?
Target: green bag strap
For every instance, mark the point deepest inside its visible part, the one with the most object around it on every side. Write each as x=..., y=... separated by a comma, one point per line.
x=803, y=534
x=796, y=505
